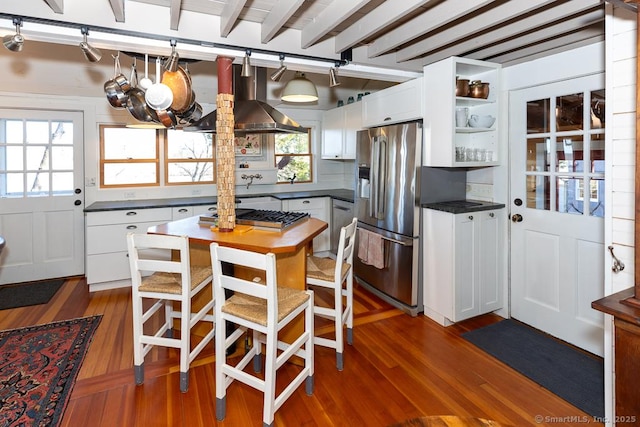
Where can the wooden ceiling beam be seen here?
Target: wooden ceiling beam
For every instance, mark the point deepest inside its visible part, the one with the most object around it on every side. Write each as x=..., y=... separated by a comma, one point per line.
x=376, y=20
x=509, y=31
x=277, y=17
x=480, y=22
x=174, y=14
x=230, y=15
x=55, y=5
x=332, y=16
x=118, y=9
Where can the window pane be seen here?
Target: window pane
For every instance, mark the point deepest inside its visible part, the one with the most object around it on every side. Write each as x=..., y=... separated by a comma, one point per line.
x=569, y=112
x=569, y=153
x=62, y=158
x=596, y=202
x=129, y=173
x=190, y=172
x=38, y=183
x=14, y=185
x=569, y=195
x=189, y=145
x=14, y=160
x=15, y=132
x=597, y=153
x=62, y=133
x=298, y=169
x=597, y=109
x=37, y=132
x=37, y=158
x=538, y=116
x=538, y=192
x=538, y=154
x=125, y=143
x=295, y=143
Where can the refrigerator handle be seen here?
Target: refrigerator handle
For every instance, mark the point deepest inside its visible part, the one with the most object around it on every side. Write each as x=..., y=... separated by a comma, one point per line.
x=382, y=174
x=374, y=178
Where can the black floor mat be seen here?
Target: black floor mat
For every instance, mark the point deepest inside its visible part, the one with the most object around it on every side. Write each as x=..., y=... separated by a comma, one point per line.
x=25, y=294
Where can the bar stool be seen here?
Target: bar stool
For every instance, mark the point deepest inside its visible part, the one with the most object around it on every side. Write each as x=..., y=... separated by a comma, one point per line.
x=265, y=308
x=332, y=274
x=169, y=282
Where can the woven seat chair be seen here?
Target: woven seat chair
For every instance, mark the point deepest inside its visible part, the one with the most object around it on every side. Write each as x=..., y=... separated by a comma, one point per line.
x=170, y=281
x=336, y=275
x=264, y=308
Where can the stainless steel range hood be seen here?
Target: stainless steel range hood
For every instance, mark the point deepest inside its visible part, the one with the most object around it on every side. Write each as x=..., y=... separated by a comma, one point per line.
x=251, y=115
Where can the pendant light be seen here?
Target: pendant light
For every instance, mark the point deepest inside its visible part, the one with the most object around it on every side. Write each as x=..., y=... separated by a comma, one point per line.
x=14, y=42
x=300, y=89
x=91, y=53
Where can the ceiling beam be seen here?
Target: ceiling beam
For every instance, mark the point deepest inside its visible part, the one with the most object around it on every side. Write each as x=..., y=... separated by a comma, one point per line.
x=376, y=20
x=482, y=21
x=55, y=5
x=508, y=31
x=229, y=16
x=565, y=26
x=174, y=14
x=332, y=16
x=277, y=17
x=550, y=47
x=118, y=9
x=435, y=17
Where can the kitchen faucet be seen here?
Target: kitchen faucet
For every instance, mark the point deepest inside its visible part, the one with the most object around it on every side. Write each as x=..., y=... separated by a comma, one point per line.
x=250, y=178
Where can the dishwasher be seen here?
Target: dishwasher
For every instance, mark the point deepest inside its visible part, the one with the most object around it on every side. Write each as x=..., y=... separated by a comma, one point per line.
x=341, y=215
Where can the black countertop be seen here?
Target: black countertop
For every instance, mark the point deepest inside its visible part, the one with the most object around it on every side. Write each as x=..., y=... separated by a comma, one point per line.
x=463, y=206
x=340, y=194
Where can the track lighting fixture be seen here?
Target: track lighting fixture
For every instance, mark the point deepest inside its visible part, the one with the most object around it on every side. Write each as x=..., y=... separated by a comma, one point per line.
x=300, y=89
x=91, y=53
x=171, y=63
x=246, y=64
x=277, y=75
x=333, y=76
x=14, y=42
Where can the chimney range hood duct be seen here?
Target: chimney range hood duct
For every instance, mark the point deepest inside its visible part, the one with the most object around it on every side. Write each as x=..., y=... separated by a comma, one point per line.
x=250, y=114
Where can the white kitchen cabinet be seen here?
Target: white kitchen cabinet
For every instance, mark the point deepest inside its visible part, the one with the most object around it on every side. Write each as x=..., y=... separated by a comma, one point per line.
x=180, y=212
x=107, y=263
x=316, y=207
x=462, y=264
x=400, y=103
x=441, y=135
x=339, y=128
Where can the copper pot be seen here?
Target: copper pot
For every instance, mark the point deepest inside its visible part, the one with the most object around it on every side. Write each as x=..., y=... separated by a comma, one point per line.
x=478, y=89
x=462, y=87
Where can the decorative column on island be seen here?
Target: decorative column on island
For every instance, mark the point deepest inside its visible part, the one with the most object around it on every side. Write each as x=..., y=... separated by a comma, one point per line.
x=225, y=147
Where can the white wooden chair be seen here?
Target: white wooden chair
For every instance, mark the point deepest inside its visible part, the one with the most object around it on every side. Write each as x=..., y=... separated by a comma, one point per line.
x=170, y=281
x=336, y=275
x=264, y=308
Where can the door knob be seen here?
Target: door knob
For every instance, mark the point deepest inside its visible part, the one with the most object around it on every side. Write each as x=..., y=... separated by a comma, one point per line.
x=516, y=218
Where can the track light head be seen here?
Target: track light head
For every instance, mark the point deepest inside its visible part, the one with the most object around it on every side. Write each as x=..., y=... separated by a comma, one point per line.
x=246, y=64
x=277, y=75
x=333, y=77
x=91, y=53
x=14, y=42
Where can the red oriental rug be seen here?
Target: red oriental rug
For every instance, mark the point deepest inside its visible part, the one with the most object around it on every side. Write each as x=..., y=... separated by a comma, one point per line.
x=38, y=368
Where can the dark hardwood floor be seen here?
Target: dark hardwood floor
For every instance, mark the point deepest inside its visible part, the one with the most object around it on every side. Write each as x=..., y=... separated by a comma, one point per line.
x=400, y=367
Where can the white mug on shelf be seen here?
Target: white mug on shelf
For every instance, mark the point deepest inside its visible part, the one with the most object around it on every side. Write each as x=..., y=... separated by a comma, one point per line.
x=462, y=117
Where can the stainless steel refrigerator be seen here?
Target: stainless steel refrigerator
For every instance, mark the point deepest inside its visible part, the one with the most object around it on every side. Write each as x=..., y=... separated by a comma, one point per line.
x=388, y=163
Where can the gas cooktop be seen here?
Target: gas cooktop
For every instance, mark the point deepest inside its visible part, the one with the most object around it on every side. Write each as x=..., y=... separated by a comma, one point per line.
x=273, y=220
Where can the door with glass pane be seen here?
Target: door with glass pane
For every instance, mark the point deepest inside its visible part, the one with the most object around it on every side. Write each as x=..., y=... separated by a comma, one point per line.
x=557, y=208
x=41, y=197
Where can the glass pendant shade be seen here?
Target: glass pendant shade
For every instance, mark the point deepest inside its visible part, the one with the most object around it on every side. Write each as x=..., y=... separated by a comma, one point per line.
x=300, y=89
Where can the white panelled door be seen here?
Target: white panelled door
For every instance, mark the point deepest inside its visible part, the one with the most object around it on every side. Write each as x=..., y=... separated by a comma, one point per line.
x=41, y=198
x=557, y=208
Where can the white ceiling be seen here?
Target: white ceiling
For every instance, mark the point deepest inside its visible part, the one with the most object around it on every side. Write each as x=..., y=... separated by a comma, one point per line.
x=388, y=40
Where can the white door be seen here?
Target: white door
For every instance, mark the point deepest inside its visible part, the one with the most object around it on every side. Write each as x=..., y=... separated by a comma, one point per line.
x=41, y=199
x=557, y=207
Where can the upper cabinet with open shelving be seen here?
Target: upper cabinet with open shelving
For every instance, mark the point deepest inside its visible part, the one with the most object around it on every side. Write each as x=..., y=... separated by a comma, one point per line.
x=457, y=144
